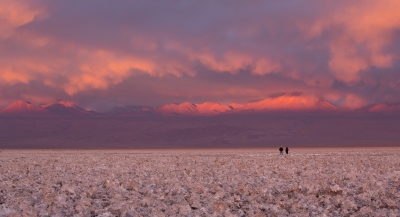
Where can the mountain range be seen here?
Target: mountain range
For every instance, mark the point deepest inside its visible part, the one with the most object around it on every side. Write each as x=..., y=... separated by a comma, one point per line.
x=23, y=108
x=66, y=108
x=286, y=102
x=187, y=108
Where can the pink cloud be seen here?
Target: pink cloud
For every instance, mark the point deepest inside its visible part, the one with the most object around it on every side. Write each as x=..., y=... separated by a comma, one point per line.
x=331, y=48
x=14, y=14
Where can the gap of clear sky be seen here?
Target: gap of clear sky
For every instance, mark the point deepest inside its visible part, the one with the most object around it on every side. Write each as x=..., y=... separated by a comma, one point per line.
x=105, y=53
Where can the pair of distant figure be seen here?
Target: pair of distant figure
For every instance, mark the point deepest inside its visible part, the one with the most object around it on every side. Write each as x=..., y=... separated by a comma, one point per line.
x=286, y=150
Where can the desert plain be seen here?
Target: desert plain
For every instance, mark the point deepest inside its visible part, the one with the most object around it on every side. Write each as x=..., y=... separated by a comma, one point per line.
x=201, y=182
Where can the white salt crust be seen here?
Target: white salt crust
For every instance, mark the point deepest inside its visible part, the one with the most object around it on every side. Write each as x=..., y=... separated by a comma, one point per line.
x=199, y=183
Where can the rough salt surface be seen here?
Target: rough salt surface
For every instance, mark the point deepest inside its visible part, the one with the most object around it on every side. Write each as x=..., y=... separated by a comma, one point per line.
x=200, y=183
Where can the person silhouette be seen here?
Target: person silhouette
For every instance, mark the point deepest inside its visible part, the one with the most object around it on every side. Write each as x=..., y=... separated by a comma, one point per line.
x=287, y=150
x=281, y=150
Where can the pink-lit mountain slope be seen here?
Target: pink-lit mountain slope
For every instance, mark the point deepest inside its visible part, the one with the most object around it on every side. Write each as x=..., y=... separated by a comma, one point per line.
x=385, y=108
x=23, y=108
x=66, y=108
x=211, y=108
x=130, y=109
x=287, y=103
x=186, y=108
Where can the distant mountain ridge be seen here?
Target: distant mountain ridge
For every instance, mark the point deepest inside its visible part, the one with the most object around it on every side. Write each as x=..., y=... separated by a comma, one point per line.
x=385, y=108
x=59, y=108
x=187, y=108
x=23, y=108
x=287, y=103
x=66, y=108
x=284, y=102
x=129, y=109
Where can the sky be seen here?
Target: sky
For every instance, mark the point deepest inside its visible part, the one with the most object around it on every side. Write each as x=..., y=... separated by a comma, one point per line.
x=100, y=53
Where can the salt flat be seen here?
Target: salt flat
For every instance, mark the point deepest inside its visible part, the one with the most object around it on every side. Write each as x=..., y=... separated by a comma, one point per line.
x=231, y=182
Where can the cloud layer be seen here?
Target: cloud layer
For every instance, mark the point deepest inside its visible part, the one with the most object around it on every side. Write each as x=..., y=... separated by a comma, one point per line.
x=152, y=52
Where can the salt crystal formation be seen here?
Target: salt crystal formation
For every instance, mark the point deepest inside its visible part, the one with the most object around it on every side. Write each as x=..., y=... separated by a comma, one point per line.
x=199, y=183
